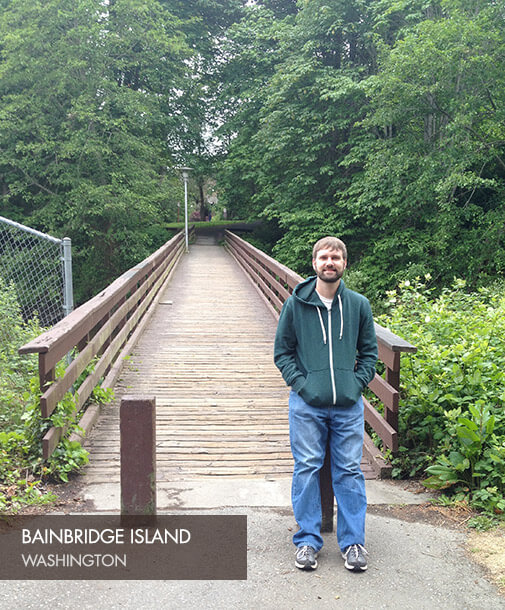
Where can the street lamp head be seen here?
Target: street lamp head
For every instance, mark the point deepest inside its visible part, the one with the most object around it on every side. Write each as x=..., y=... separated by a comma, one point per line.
x=185, y=172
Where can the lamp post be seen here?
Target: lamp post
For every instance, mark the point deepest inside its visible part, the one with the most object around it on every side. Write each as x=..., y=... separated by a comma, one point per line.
x=185, y=174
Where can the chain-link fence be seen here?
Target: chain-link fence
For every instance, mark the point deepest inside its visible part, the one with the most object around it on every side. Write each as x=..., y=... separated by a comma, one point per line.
x=36, y=269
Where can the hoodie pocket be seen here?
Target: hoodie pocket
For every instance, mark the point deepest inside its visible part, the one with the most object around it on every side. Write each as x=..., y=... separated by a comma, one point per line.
x=348, y=387
x=316, y=390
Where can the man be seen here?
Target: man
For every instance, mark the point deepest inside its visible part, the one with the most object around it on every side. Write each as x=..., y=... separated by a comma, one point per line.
x=326, y=350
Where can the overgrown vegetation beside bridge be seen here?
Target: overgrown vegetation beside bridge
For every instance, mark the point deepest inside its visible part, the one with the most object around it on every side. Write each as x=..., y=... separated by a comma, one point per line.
x=23, y=472
x=452, y=406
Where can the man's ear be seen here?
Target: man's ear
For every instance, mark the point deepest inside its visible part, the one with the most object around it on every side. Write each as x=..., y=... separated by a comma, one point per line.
x=314, y=264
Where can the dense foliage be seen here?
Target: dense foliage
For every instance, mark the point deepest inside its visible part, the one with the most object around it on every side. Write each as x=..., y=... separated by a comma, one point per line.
x=379, y=121
x=96, y=111
x=23, y=472
x=452, y=416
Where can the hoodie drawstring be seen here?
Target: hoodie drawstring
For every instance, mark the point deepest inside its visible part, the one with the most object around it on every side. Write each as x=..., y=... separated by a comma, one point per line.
x=332, y=372
x=322, y=325
x=341, y=317
x=323, y=330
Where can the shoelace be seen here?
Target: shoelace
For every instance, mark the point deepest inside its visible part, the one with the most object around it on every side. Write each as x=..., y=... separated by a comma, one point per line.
x=303, y=553
x=356, y=548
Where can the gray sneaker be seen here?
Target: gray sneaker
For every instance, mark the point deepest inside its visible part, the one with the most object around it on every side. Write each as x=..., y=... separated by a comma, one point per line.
x=306, y=558
x=355, y=557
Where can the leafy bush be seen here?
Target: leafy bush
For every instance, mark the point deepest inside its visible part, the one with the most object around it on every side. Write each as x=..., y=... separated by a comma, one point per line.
x=14, y=369
x=452, y=415
x=22, y=469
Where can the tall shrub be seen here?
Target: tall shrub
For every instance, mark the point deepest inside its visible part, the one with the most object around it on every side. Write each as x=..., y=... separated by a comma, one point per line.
x=452, y=411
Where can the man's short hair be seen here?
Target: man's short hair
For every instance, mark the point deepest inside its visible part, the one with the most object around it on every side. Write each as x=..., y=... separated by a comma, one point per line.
x=329, y=243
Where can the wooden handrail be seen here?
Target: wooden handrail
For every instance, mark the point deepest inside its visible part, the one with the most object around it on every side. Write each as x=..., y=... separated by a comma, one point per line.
x=99, y=331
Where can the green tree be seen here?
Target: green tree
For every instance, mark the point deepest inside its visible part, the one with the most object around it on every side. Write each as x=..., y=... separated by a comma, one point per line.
x=87, y=106
x=380, y=121
x=434, y=176
x=249, y=54
x=204, y=24
x=298, y=109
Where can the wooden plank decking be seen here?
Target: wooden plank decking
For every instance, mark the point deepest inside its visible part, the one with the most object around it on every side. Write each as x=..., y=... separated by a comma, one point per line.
x=207, y=357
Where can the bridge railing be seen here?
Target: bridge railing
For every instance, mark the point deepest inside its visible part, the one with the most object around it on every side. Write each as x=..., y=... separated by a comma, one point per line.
x=99, y=334
x=275, y=283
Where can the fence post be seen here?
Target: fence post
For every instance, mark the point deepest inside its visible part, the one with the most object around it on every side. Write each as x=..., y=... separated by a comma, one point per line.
x=68, y=291
x=138, y=456
x=34, y=263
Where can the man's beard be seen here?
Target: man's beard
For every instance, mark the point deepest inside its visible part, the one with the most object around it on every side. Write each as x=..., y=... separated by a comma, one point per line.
x=331, y=279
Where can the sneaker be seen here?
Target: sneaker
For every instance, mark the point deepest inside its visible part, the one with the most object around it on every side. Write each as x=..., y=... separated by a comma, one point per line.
x=306, y=558
x=355, y=557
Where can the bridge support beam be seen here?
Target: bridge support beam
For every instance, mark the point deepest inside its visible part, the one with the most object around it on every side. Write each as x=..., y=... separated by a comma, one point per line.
x=138, y=456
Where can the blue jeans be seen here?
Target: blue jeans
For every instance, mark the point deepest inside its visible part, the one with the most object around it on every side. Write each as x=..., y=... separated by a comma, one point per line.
x=309, y=430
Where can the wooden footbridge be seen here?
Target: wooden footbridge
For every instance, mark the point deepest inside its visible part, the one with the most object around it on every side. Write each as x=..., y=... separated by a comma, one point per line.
x=206, y=355
x=195, y=330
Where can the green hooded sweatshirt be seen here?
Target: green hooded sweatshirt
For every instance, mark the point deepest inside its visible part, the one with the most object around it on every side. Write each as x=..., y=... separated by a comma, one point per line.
x=327, y=357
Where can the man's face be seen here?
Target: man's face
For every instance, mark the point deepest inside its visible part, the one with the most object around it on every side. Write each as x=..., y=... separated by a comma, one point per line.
x=329, y=265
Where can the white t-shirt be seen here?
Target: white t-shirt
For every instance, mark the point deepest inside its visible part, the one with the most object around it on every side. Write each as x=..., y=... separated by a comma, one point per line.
x=325, y=301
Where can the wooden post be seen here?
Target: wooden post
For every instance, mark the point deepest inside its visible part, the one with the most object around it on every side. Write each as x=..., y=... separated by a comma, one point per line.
x=327, y=501
x=138, y=456
x=393, y=378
